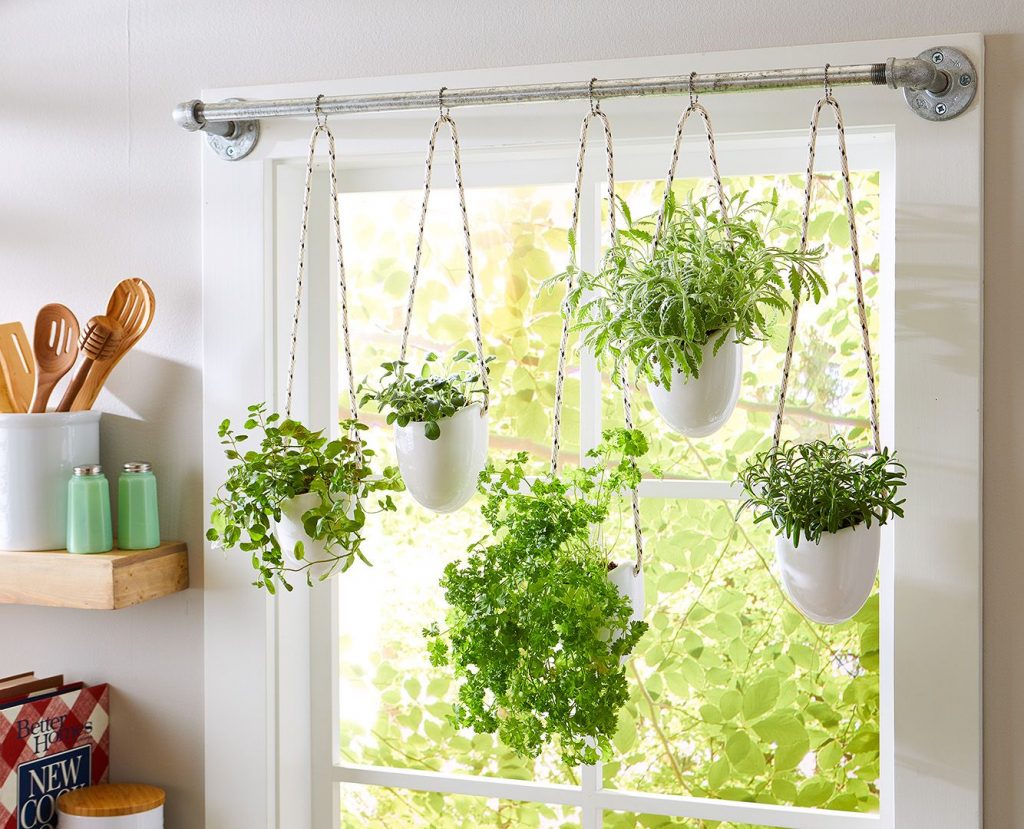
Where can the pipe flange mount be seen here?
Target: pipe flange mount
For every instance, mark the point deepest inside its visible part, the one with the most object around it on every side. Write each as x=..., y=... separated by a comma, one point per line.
x=959, y=91
x=239, y=142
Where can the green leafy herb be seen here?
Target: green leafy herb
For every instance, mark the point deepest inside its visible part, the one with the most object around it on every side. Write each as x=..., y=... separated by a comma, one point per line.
x=532, y=609
x=710, y=278
x=294, y=460
x=807, y=489
x=430, y=396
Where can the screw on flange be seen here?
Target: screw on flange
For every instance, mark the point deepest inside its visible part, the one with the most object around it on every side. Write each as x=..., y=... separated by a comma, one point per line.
x=936, y=57
x=231, y=150
x=965, y=79
x=940, y=109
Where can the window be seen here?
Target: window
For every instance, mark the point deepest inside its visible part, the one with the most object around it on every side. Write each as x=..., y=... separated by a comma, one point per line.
x=735, y=695
x=741, y=714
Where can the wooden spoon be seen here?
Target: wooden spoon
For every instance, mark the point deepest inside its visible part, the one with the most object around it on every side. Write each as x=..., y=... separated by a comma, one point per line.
x=55, y=346
x=99, y=342
x=132, y=304
x=17, y=365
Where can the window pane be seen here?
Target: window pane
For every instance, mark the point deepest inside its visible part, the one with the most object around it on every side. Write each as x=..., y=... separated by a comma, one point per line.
x=519, y=240
x=828, y=385
x=369, y=806
x=394, y=705
x=736, y=695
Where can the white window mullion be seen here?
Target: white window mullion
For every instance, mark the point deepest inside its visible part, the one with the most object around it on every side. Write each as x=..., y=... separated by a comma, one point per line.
x=591, y=814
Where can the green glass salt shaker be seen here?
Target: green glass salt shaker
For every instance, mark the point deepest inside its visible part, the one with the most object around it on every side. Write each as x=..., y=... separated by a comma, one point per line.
x=89, y=529
x=138, y=522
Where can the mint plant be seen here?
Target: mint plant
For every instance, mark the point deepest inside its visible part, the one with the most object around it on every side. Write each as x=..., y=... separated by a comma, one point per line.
x=294, y=460
x=808, y=489
x=438, y=391
x=651, y=310
x=532, y=609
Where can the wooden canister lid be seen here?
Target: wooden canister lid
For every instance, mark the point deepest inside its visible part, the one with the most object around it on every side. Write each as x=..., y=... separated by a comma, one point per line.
x=111, y=800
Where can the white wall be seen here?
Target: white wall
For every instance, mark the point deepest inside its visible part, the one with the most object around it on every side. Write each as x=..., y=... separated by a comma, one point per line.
x=96, y=184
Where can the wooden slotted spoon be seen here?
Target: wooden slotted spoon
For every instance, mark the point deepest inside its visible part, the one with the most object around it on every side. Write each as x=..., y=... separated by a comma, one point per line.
x=55, y=346
x=17, y=366
x=132, y=304
x=99, y=342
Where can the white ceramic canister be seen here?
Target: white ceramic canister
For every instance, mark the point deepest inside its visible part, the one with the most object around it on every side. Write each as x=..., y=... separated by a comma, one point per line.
x=112, y=806
x=830, y=581
x=38, y=453
x=289, y=531
x=699, y=406
x=442, y=474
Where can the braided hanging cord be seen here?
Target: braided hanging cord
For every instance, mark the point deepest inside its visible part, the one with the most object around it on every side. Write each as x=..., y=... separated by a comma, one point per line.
x=321, y=128
x=830, y=101
x=445, y=118
x=695, y=107
x=595, y=112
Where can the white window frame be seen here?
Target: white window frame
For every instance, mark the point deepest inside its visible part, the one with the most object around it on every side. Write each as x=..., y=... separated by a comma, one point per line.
x=270, y=698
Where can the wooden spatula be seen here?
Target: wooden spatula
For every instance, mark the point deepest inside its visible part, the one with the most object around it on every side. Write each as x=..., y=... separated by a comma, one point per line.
x=17, y=365
x=55, y=346
x=99, y=342
x=6, y=404
x=132, y=304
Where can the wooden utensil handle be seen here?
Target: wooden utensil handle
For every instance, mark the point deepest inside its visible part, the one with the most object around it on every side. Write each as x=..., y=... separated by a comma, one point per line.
x=42, y=395
x=74, y=387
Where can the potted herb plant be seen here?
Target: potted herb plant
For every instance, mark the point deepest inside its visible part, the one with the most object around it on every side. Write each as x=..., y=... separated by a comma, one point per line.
x=827, y=503
x=536, y=629
x=676, y=314
x=440, y=421
x=298, y=503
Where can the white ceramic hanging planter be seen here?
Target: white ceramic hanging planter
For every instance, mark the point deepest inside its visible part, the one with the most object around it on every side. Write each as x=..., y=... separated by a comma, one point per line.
x=442, y=474
x=699, y=406
x=289, y=531
x=630, y=585
x=830, y=581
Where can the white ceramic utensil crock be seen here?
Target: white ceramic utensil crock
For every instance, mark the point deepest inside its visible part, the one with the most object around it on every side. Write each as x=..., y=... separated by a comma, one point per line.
x=699, y=406
x=442, y=474
x=830, y=581
x=38, y=453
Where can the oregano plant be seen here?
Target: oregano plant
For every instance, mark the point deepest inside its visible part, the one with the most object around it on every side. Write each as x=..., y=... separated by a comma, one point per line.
x=439, y=390
x=713, y=275
x=293, y=460
x=536, y=631
x=807, y=489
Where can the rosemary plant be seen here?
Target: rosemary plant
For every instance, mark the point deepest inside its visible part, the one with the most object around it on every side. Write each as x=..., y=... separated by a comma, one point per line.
x=808, y=489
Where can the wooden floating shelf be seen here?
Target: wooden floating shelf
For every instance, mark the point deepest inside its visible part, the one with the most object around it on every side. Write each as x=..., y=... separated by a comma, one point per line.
x=101, y=581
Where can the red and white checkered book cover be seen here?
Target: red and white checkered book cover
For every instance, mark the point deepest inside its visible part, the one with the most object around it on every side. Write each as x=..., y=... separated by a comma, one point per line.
x=72, y=732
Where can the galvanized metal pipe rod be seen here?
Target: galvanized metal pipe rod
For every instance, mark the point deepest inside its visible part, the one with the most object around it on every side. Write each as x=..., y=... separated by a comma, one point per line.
x=914, y=73
x=931, y=73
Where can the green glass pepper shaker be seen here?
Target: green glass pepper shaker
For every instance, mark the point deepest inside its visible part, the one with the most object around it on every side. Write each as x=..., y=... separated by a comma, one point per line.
x=89, y=529
x=138, y=521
